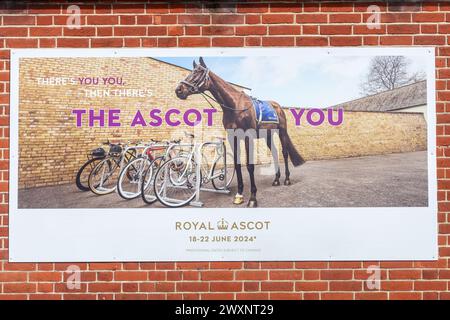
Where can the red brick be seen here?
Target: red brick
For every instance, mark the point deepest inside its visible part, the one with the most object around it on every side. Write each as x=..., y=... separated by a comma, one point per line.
x=104, y=287
x=72, y=43
x=157, y=31
x=253, y=19
x=105, y=266
x=13, y=277
x=165, y=286
x=162, y=42
x=346, y=285
x=430, y=285
x=278, y=41
x=19, y=287
x=228, y=19
x=45, y=32
x=404, y=274
x=311, y=41
x=311, y=18
x=130, y=31
x=428, y=17
x=217, y=30
x=192, y=286
x=107, y=43
x=346, y=41
x=371, y=296
x=19, y=20
x=285, y=7
x=251, y=275
x=336, y=274
x=404, y=295
x=286, y=275
x=226, y=286
x=128, y=8
x=345, y=18
x=277, y=286
x=130, y=275
x=194, y=19
x=45, y=276
x=336, y=7
x=21, y=43
x=194, y=42
x=216, y=275
x=277, y=18
x=396, y=40
x=251, y=30
x=429, y=40
x=282, y=30
x=403, y=28
x=285, y=296
x=337, y=296
x=396, y=285
x=228, y=42
x=252, y=296
x=252, y=8
x=102, y=20
x=13, y=32
x=335, y=29
x=217, y=296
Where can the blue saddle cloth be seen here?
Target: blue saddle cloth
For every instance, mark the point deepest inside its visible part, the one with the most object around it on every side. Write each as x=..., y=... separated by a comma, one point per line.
x=265, y=113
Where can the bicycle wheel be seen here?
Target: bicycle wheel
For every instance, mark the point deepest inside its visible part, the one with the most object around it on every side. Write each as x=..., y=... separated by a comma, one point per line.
x=218, y=172
x=175, y=182
x=130, y=178
x=148, y=179
x=103, y=178
x=82, y=177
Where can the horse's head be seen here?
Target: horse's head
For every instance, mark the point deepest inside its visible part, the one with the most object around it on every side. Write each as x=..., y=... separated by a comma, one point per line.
x=196, y=82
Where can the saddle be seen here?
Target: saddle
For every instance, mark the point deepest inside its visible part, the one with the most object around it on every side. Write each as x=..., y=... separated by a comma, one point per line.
x=265, y=113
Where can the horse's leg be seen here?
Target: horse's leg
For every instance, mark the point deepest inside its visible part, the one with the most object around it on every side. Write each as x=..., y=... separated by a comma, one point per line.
x=234, y=142
x=274, y=152
x=252, y=203
x=284, y=143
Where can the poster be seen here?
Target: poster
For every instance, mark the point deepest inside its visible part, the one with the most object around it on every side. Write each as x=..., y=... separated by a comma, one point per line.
x=223, y=154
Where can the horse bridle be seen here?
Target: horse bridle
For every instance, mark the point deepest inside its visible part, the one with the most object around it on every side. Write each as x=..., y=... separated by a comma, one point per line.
x=194, y=88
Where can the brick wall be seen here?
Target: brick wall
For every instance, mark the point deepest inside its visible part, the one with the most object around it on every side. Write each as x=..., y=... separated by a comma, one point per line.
x=240, y=24
x=52, y=148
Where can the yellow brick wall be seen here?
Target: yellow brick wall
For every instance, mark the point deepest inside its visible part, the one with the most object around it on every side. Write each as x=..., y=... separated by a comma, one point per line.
x=52, y=148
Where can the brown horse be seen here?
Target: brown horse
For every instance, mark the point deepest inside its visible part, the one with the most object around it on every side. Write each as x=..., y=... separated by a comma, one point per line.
x=239, y=113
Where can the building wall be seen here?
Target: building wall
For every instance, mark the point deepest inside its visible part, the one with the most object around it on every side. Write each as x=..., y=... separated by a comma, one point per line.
x=252, y=24
x=422, y=109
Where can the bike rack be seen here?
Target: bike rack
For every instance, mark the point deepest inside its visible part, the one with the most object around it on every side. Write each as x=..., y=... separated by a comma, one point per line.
x=198, y=159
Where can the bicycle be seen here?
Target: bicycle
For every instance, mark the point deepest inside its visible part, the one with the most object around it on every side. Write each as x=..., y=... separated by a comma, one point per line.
x=177, y=180
x=172, y=150
x=94, y=157
x=103, y=178
x=130, y=178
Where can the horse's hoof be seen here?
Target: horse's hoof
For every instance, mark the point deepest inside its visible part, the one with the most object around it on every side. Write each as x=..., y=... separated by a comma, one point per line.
x=252, y=203
x=287, y=182
x=276, y=183
x=238, y=199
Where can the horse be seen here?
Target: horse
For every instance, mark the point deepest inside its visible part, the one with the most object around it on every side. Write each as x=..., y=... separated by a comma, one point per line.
x=239, y=113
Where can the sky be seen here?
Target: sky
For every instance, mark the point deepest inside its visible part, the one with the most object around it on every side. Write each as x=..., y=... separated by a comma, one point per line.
x=313, y=81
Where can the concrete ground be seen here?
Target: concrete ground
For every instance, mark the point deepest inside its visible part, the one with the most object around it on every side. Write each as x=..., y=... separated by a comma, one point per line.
x=394, y=180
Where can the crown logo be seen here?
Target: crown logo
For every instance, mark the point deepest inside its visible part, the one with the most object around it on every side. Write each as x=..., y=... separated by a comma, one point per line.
x=222, y=224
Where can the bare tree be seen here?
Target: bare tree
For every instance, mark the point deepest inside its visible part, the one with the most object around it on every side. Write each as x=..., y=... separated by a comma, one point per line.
x=387, y=73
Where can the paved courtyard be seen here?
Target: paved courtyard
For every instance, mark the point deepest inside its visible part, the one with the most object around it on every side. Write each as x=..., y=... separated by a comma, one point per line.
x=394, y=180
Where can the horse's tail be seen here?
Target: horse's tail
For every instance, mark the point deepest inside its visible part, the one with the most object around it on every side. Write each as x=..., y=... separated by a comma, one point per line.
x=296, y=158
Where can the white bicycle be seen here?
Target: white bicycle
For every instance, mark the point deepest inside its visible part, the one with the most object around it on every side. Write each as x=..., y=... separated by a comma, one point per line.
x=178, y=180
